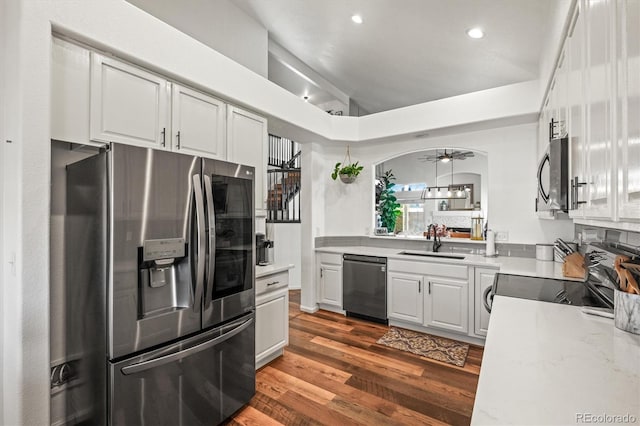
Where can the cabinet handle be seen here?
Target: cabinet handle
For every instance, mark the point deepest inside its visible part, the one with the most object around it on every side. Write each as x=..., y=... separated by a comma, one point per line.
x=164, y=133
x=429, y=287
x=576, y=184
x=178, y=140
x=273, y=283
x=419, y=286
x=320, y=272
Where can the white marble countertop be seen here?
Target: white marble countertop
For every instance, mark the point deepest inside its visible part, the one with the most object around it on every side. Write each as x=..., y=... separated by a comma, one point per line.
x=508, y=265
x=552, y=364
x=263, y=271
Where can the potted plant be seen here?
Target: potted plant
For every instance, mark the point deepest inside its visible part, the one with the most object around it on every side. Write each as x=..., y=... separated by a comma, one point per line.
x=347, y=170
x=387, y=204
x=347, y=173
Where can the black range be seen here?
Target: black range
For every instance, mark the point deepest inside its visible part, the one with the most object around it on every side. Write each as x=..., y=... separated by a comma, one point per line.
x=551, y=290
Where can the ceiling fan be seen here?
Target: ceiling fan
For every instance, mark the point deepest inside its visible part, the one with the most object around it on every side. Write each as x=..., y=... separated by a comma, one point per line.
x=447, y=156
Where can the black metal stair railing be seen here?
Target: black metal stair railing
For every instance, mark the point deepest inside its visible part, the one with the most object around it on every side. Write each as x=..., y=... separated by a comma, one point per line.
x=283, y=180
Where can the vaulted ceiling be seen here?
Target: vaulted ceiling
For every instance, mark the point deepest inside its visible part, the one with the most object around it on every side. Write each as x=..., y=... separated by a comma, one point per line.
x=409, y=51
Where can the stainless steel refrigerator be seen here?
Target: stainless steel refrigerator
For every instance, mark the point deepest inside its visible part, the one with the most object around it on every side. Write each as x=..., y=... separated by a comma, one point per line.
x=160, y=253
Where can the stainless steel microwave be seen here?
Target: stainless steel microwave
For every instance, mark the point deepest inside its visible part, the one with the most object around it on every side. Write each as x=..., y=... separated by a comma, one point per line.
x=553, y=177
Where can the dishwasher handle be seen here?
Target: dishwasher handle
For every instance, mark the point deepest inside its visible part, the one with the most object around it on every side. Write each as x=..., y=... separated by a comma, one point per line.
x=364, y=259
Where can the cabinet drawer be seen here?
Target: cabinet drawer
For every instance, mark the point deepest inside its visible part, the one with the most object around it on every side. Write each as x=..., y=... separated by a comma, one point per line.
x=272, y=282
x=330, y=258
x=428, y=268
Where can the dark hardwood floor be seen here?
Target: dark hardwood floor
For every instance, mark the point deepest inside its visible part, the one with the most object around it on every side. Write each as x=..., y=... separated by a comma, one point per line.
x=334, y=373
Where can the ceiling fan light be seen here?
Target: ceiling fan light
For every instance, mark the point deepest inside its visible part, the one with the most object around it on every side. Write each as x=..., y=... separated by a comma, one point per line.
x=445, y=159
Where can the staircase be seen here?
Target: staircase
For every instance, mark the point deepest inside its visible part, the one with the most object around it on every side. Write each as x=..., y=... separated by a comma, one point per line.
x=283, y=174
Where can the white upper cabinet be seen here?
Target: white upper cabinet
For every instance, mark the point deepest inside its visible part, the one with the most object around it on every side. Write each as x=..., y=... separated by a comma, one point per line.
x=128, y=105
x=599, y=90
x=628, y=100
x=70, y=86
x=247, y=140
x=198, y=123
x=561, y=95
x=575, y=50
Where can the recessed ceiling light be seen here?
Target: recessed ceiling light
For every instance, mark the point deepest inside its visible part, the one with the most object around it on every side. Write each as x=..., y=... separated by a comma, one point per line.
x=306, y=98
x=357, y=19
x=475, y=33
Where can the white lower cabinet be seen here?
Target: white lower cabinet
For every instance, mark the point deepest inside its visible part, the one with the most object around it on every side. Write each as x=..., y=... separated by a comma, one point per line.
x=272, y=317
x=446, y=304
x=404, y=297
x=483, y=283
x=329, y=281
x=330, y=291
x=433, y=295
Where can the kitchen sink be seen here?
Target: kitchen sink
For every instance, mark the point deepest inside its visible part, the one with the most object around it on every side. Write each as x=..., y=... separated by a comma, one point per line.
x=431, y=254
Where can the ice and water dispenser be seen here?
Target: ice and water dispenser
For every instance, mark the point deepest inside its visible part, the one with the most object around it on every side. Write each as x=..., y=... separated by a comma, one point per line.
x=164, y=277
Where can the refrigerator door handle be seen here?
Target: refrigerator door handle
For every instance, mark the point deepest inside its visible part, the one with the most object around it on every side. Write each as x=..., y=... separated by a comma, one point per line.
x=165, y=359
x=211, y=218
x=197, y=188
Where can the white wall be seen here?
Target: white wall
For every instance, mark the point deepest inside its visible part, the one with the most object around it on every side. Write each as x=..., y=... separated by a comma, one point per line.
x=20, y=334
x=287, y=248
x=219, y=24
x=312, y=197
x=510, y=183
x=3, y=62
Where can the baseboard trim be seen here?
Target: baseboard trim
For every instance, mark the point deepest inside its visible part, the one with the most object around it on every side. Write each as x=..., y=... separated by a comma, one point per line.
x=308, y=309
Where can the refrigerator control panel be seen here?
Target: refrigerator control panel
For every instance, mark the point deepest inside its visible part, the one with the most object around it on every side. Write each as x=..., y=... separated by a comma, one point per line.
x=169, y=248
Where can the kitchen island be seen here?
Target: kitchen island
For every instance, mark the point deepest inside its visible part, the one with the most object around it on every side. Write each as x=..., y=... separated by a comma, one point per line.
x=549, y=363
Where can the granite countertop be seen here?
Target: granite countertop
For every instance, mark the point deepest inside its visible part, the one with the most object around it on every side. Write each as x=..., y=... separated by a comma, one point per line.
x=548, y=363
x=508, y=265
x=263, y=271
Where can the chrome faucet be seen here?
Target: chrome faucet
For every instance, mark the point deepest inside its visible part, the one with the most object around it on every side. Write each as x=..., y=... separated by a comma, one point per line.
x=436, y=240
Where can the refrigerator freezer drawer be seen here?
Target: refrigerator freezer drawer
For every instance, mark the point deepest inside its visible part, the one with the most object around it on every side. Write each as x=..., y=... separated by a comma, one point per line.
x=201, y=380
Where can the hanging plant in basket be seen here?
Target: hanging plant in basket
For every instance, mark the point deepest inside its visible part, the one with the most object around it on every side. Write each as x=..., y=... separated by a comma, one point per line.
x=347, y=170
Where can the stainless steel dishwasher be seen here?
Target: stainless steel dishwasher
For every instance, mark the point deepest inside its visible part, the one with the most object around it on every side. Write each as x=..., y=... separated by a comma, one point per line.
x=364, y=287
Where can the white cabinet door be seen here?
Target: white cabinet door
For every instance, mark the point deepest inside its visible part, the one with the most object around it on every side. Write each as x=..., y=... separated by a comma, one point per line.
x=483, y=283
x=576, y=124
x=272, y=323
x=562, y=93
x=247, y=144
x=198, y=123
x=404, y=297
x=70, y=87
x=128, y=105
x=628, y=123
x=599, y=89
x=447, y=304
x=330, y=291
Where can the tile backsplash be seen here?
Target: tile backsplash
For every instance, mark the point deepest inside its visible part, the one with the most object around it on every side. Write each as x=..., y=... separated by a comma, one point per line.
x=587, y=234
